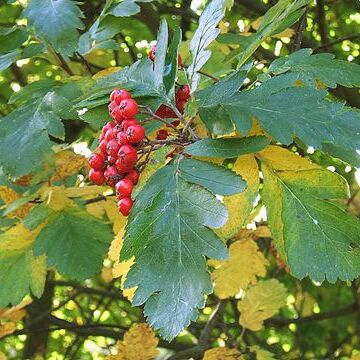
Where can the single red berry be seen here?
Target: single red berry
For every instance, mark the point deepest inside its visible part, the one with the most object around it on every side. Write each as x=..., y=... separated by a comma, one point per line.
x=161, y=111
x=127, y=154
x=117, y=115
x=112, y=147
x=96, y=176
x=152, y=53
x=121, y=95
x=111, y=172
x=183, y=93
x=133, y=176
x=162, y=134
x=128, y=108
x=124, y=188
x=121, y=138
x=169, y=113
x=103, y=146
x=125, y=205
x=116, y=130
x=135, y=133
x=109, y=125
x=96, y=161
x=128, y=122
x=180, y=104
x=122, y=167
x=111, y=160
x=176, y=123
x=113, y=93
x=109, y=135
x=112, y=106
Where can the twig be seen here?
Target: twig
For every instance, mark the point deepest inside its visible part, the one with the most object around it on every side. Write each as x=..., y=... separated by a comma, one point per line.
x=148, y=111
x=300, y=32
x=213, y=78
x=322, y=22
x=84, y=61
x=338, y=41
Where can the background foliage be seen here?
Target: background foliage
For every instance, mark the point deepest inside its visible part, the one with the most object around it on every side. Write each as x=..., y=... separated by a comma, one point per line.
x=60, y=238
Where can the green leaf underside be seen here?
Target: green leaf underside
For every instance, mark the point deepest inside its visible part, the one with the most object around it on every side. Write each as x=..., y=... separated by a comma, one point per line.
x=205, y=33
x=169, y=233
x=316, y=120
x=317, y=237
x=227, y=147
x=74, y=242
x=323, y=67
x=57, y=22
x=28, y=128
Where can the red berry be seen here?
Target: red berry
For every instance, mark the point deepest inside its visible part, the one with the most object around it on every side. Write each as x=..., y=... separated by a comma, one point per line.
x=162, y=134
x=152, y=53
x=109, y=135
x=117, y=115
x=122, y=139
x=169, y=113
x=96, y=176
x=111, y=172
x=103, y=146
x=129, y=108
x=112, y=106
x=176, y=123
x=179, y=60
x=113, y=147
x=109, y=125
x=121, y=95
x=183, y=93
x=133, y=176
x=125, y=205
x=127, y=155
x=135, y=133
x=161, y=111
x=128, y=122
x=123, y=167
x=96, y=161
x=180, y=104
x=124, y=188
x=113, y=93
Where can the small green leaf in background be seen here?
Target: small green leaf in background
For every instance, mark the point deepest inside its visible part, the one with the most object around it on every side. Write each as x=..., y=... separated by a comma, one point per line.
x=228, y=147
x=56, y=22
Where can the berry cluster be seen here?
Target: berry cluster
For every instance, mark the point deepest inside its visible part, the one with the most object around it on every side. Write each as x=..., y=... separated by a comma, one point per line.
x=115, y=161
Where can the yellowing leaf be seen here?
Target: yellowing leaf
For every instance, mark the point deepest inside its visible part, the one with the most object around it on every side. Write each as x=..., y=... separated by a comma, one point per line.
x=356, y=355
x=261, y=302
x=139, y=342
x=7, y=328
x=262, y=354
x=106, y=275
x=91, y=190
x=67, y=163
x=2, y=356
x=56, y=198
x=222, y=353
x=244, y=264
x=15, y=313
x=106, y=72
x=239, y=206
x=304, y=303
x=112, y=212
x=120, y=269
x=8, y=196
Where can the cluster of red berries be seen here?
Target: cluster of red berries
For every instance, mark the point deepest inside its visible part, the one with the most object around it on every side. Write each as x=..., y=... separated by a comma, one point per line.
x=114, y=163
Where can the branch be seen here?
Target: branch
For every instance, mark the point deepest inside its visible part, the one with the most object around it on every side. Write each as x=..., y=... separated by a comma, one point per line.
x=300, y=32
x=322, y=22
x=338, y=41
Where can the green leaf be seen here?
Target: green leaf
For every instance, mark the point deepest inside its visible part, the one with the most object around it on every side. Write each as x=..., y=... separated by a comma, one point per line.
x=37, y=216
x=161, y=48
x=215, y=178
x=96, y=117
x=6, y=59
x=228, y=147
x=315, y=121
x=312, y=232
x=172, y=219
x=56, y=22
x=12, y=38
x=211, y=111
x=171, y=61
x=125, y=8
x=28, y=129
x=206, y=32
x=323, y=67
x=21, y=271
x=272, y=22
x=74, y=242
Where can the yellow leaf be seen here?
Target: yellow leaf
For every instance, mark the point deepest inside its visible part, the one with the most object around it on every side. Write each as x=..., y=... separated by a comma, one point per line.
x=287, y=33
x=7, y=328
x=106, y=72
x=120, y=269
x=262, y=354
x=56, y=197
x=8, y=196
x=240, y=205
x=139, y=342
x=67, y=163
x=261, y=302
x=2, y=356
x=244, y=264
x=356, y=355
x=15, y=313
x=91, y=190
x=222, y=353
x=106, y=275
x=304, y=303
x=112, y=212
